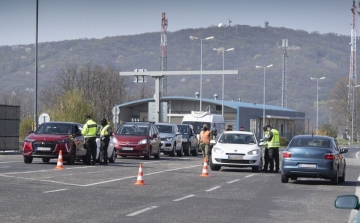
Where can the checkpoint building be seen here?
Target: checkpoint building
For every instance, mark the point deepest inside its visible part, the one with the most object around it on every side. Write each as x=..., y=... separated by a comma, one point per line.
x=238, y=114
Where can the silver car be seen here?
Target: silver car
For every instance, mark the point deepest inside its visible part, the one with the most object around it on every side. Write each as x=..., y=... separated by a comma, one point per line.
x=171, y=139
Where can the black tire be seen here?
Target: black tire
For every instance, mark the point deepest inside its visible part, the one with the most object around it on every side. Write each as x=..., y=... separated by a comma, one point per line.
x=112, y=157
x=28, y=160
x=173, y=151
x=147, y=155
x=284, y=178
x=180, y=153
x=214, y=167
x=46, y=160
x=71, y=159
x=157, y=155
x=123, y=156
x=194, y=152
x=342, y=178
x=293, y=178
x=257, y=169
x=335, y=180
x=187, y=151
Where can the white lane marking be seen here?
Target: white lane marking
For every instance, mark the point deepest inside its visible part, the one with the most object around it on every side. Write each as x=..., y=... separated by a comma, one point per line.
x=250, y=175
x=13, y=162
x=128, y=177
x=141, y=211
x=214, y=188
x=52, y=191
x=4, y=166
x=73, y=174
x=357, y=155
x=183, y=198
x=35, y=171
x=49, y=181
x=233, y=181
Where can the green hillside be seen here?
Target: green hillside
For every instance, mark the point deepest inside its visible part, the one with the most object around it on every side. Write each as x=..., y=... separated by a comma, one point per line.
x=309, y=55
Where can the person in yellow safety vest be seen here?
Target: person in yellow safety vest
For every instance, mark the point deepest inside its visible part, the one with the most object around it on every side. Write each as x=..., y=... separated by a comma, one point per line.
x=204, y=141
x=89, y=132
x=266, y=153
x=105, y=133
x=273, y=144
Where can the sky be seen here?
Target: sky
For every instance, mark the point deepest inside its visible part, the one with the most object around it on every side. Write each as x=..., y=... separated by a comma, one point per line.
x=75, y=19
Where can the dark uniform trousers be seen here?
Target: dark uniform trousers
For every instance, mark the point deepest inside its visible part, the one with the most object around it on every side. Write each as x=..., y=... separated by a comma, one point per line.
x=266, y=160
x=274, y=156
x=91, y=149
x=104, y=146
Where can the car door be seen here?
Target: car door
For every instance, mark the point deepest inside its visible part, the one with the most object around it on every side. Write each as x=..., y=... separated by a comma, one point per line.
x=79, y=141
x=341, y=157
x=154, y=141
x=157, y=140
x=192, y=138
x=178, y=137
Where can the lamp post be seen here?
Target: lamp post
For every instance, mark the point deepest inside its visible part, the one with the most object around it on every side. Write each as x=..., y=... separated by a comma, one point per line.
x=201, y=40
x=317, y=99
x=352, y=112
x=223, y=50
x=260, y=67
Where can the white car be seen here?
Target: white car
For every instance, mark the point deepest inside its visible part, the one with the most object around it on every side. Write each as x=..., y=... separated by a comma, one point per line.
x=237, y=149
x=110, y=151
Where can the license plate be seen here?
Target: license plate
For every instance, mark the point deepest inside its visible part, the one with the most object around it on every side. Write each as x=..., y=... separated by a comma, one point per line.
x=310, y=166
x=43, y=149
x=235, y=157
x=127, y=148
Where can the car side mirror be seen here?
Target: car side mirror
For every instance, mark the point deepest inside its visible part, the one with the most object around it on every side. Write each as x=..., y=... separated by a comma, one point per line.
x=343, y=150
x=31, y=131
x=212, y=141
x=261, y=144
x=214, y=132
x=347, y=202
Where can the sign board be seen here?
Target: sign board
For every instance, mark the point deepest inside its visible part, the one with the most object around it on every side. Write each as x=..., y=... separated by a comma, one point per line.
x=152, y=112
x=115, y=110
x=44, y=118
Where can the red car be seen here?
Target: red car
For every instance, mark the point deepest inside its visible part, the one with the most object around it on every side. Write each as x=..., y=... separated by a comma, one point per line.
x=137, y=139
x=51, y=137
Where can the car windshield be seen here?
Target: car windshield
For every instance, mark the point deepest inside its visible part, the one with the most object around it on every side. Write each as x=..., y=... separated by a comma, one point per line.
x=165, y=128
x=237, y=138
x=310, y=142
x=130, y=129
x=183, y=129
x=197, y=126
x=55, y=129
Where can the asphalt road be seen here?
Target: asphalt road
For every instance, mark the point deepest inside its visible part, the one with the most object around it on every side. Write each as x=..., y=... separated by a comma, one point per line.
x=174, y=192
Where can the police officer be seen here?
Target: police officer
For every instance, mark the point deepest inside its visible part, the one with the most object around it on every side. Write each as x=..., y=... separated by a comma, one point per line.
x=105, y=133
x=205, y=136
x=89, y=132
x=273, y=139
x=266, y=155
x=228, y=128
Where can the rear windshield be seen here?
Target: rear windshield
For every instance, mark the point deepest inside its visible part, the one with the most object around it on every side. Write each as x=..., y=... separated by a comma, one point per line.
x=140, y=130
x=165, y=128
x=55, y=129
x=310, y=142
x=237, y=138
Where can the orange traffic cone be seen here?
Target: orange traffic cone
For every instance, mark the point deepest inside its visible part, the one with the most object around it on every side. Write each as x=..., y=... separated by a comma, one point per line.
x=60, y=165
x=140, y=180
x=205, y=172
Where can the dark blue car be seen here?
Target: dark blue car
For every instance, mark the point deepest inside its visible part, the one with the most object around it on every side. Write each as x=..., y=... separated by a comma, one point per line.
x=313, y=156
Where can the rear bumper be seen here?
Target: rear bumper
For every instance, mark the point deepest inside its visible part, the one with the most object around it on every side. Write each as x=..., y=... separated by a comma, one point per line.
x=324, y=169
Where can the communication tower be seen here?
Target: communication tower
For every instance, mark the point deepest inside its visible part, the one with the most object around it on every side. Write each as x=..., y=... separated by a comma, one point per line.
x=163, y=52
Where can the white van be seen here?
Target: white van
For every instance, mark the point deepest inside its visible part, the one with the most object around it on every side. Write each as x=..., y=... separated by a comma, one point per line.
x=198, y=118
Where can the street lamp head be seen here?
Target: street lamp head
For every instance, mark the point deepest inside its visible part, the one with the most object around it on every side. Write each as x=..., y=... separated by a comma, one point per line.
x=193, y=38
x=321, y=78
x=209, y=38
x=230, y=49
x=258, y=67
x=312, y=78
x=269, y=66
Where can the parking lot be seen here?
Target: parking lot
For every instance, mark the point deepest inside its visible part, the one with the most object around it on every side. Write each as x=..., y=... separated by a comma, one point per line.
x=174, y=192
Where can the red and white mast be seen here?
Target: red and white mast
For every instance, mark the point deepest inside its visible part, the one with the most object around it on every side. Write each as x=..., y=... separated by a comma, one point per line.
x=163, y=52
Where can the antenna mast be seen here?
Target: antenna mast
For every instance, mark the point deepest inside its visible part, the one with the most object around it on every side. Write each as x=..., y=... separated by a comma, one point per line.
x=163, y=52
x=352, y=73
x=284, y=75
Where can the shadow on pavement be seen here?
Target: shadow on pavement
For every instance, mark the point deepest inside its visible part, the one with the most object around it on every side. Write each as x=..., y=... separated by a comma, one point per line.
x=324, y=182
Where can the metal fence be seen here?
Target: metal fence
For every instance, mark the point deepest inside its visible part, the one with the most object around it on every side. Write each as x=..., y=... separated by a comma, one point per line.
x=9, y=127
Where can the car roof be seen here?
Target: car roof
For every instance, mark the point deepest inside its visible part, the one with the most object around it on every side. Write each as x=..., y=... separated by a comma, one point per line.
x=60, y=122
x=134, y=123
x=313, y=136
x=160, y=123
x=239, y=132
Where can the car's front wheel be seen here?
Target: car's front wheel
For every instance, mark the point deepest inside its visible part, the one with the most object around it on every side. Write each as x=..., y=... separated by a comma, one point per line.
x=71, y=159
x=112, y=157
x=28, y=159
x=173, y=151
x=258, y=168
x=187, y=150
x=147, y=155
x=180, y=153
x=284, y=178
x=157, y=155
x=214, y=167
x=195, y=151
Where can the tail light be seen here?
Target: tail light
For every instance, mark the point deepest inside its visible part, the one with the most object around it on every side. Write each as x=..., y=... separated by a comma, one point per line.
x=286, y=154
x=329, y=156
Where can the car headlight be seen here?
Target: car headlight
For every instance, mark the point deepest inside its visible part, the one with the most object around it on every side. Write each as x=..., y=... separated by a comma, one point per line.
x=115, y=140
x=217, y=150
x=184, y=140
x=253, y=152
x=64, y=141
x=28, y=140
x=169, y=139
x=142, y=142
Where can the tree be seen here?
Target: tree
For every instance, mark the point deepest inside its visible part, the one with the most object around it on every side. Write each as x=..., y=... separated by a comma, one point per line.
x=328, y=130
